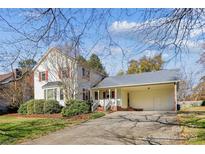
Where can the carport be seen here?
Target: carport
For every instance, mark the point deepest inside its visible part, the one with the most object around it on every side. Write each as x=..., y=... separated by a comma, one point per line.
x=151, y=91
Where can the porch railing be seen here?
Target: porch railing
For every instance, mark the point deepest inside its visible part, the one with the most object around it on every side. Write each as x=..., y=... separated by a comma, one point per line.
x=95, y=105
x=108, y=105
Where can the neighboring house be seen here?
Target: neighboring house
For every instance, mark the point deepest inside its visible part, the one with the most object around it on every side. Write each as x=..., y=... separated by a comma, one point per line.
x=4, y=80
x=154, y=91
x=15, y=87
x=57, y=75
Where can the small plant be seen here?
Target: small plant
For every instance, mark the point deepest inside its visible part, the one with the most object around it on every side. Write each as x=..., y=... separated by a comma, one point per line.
x=96, y=115
x=75, y=107
x=203, y=103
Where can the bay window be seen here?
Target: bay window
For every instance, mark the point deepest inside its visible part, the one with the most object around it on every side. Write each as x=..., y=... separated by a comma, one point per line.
x=50, y=94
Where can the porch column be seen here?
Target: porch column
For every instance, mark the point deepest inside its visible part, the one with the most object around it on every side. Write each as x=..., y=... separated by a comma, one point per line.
x=98, y=95
x=175, y=96
x=109, y=94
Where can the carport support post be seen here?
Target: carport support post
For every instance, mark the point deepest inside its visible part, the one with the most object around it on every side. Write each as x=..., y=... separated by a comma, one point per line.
x=109, y=94
x=115, y=108
x=175, y=96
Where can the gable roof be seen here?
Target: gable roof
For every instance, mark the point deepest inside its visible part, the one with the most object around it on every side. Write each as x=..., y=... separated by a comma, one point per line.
x=157, y=77
x=5, y=76
x=65, y=54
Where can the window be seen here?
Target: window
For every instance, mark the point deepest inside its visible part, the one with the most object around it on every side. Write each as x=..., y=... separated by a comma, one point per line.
x=104, y=94
x=107, y=95
x=96, y=95
x=43, y=76
x=113, y=94
x=85, y=73
x=86, y=94
x=51, y=94
x=61, y=94
x=65, y=73
x=45, y=94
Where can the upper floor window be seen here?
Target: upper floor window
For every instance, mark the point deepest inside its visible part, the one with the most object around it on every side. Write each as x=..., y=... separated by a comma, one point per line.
x=43, y=76
x=64, y=73
x=85, y=73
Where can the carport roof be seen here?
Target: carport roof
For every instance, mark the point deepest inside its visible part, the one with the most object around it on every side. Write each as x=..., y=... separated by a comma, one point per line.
x=157, y=77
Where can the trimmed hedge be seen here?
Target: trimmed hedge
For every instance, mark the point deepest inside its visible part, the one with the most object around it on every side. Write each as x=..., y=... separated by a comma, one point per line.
x=40, y=107
x=203, y=103
x=75, y=107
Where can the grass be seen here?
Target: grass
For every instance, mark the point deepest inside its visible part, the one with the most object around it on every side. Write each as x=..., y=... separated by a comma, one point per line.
x=14, y=130
x=196, y=108
x=193, y=121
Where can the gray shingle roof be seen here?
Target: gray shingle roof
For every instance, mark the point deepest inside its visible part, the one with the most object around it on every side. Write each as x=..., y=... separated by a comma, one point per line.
x=52, y=84
x=162, y=76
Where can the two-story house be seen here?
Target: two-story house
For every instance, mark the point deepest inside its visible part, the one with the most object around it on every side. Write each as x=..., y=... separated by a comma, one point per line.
x=57, y=76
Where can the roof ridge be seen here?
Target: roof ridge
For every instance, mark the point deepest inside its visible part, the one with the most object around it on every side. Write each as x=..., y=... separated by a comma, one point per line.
x=144, y=73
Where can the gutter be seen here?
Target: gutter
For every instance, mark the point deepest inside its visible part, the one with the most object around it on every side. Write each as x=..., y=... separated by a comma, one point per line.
x=133, y=85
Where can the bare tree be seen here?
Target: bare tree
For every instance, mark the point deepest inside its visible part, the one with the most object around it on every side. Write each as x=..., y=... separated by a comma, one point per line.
x=186, y=85
x=161, y=29
x=61, y=63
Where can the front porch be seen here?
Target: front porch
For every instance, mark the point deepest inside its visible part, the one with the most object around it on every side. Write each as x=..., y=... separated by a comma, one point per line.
x=106, y=98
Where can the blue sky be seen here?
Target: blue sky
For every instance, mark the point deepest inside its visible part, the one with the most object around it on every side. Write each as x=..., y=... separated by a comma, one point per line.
x=120, y=27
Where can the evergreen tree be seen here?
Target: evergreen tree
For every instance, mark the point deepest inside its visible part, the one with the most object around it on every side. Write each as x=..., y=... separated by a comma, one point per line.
x=95, y=63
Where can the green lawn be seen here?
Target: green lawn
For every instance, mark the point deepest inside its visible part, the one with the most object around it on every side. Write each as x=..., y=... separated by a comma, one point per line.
x=193, y=122
x=14, y=130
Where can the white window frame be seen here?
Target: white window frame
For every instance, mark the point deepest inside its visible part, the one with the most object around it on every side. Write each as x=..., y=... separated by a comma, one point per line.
x=44, y=72
x=54, y=93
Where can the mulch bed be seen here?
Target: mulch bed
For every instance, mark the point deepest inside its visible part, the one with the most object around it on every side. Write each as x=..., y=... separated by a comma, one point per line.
x=77, y=117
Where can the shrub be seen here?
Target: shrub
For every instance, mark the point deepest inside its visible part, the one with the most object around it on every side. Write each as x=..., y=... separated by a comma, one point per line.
x=23, y=109
x=40, y=107
x=75, y=107
x=52, y=106
x=96, y=115
x=203, y=103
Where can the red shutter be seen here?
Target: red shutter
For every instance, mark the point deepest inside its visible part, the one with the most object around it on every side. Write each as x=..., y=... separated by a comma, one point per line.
x=46, y=75
x=39, y=76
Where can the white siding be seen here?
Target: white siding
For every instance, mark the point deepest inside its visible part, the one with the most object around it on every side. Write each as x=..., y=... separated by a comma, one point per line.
x=50, y=64
x=87, y=83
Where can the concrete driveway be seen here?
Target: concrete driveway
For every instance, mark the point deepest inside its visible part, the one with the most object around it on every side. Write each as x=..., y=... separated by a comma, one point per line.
x=125, y=127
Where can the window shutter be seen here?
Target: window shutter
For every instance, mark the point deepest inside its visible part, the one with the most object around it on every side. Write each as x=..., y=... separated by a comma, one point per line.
x=46, y=75
x=39, y=76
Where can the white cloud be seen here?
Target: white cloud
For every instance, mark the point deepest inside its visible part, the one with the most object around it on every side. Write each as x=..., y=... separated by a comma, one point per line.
x=121, y=26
